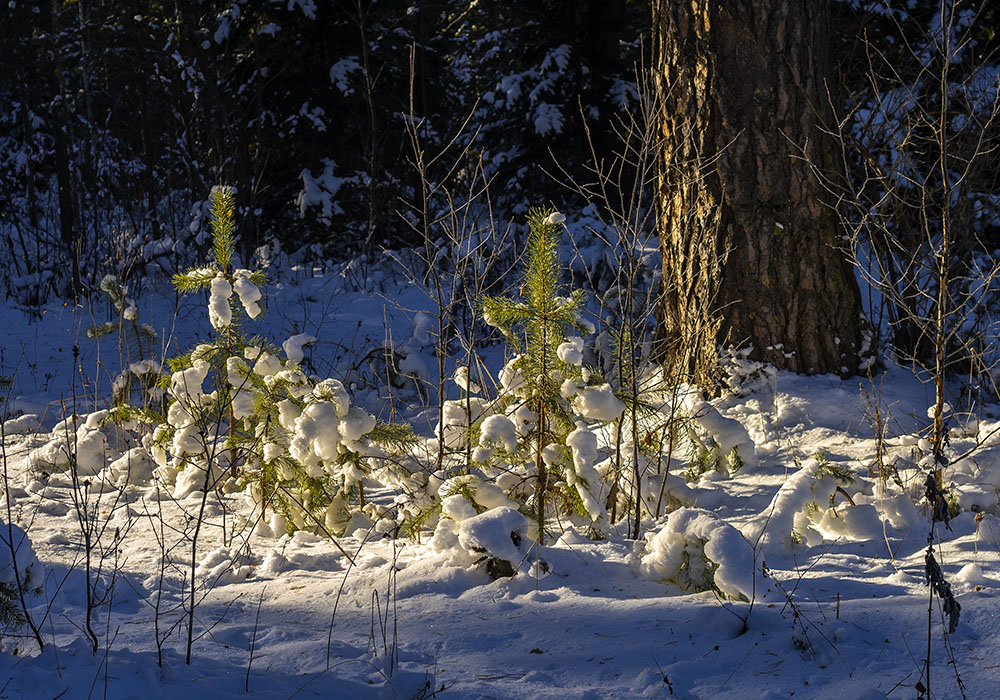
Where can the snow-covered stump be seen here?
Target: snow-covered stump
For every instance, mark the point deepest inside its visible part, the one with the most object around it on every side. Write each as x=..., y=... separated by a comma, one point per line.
x=500, y=538
x=697, y=551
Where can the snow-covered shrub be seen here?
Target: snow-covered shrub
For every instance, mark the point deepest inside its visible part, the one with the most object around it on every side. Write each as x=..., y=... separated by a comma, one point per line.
x=699, y=552
x=740, y=374
x=15, y=545
x=137, y=382
x=675, y=431
x=800, y=512
x=236, y=408
x=716, y=443
x=548, y=403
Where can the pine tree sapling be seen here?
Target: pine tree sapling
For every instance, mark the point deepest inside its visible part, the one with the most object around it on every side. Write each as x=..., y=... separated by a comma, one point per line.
x=296, y=444
x=137, y=382
x=545, y=386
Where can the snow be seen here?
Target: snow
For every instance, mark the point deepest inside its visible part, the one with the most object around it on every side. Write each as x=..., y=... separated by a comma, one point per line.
x=500, y=430
x=219, y=312
x=598, y=403
x=26, y=423
x=293, y=346
x=698, y=551
x=461, y=378
x=584, y=477
x=500, y=533
x=15, y=547
x=729, y=434
x=317, y=436
x=248, y=293
x=571, y=351
x=599, y=615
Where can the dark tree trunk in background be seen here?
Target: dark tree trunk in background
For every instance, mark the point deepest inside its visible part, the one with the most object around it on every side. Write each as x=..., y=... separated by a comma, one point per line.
x=750, y=252
x=70, y=232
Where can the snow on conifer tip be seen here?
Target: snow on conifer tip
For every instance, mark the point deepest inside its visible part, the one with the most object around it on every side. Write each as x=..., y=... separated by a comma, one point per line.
x=219, y=312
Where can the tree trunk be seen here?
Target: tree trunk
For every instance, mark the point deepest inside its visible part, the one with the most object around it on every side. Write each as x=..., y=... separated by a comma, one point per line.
x=750, y=252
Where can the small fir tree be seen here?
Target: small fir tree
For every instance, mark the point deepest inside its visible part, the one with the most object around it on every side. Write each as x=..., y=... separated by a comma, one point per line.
x=296, y=443
x=136, y=384
x=537, y=326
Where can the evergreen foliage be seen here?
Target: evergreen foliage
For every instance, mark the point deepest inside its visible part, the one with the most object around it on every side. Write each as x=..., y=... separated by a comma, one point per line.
x=536, y=326
x=293, y=442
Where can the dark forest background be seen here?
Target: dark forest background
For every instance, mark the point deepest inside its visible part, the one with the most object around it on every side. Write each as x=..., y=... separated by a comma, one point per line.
x=117, y=118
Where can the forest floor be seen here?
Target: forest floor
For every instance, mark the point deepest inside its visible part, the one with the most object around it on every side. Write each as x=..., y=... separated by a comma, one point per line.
x=843, y=616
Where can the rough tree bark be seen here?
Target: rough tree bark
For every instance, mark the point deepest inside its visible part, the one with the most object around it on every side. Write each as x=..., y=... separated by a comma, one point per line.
x=750, y=252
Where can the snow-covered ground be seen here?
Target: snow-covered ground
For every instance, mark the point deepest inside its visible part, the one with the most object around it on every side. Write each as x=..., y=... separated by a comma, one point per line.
x=808, y=601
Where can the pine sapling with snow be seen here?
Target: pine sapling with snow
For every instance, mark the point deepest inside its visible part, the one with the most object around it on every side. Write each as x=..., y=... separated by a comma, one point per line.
x=295, y=443
x=547, y=396
x=136, y=384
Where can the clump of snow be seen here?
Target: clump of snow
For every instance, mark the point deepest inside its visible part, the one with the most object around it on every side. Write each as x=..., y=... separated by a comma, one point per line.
x=186, y=385
x=317, y=437
x=83, y=448
x=698, y=551
x=476, y=491
x=462, y=380
x=457, y=507
x=320, y=192
x=971, y=575
x=598, y=403
x=571, y=351
x=798, y=512
x=424, y=329
x=729, y=434
x=354, y=426
x=293, y=346
x=511, y=379
x=134, y=467
x=27, y=423
x=223, y=565
x=500, y=430
x=742, y=375
x=29, y=570
x=453, y=428
x=248, y=292
x=265, y=364
x=219, y=312
x=584, y=477
x=195, y=478
x=852, y=523
x=555, y=218
x=500, y=533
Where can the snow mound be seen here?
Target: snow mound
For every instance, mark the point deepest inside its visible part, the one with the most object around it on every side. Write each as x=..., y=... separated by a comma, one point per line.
x=500, y=533
x=134, y=467
x=83, y=446
x=800, y=513
x=699, y=552
x=222, y=566
x=28, y=423
x=29, y=570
